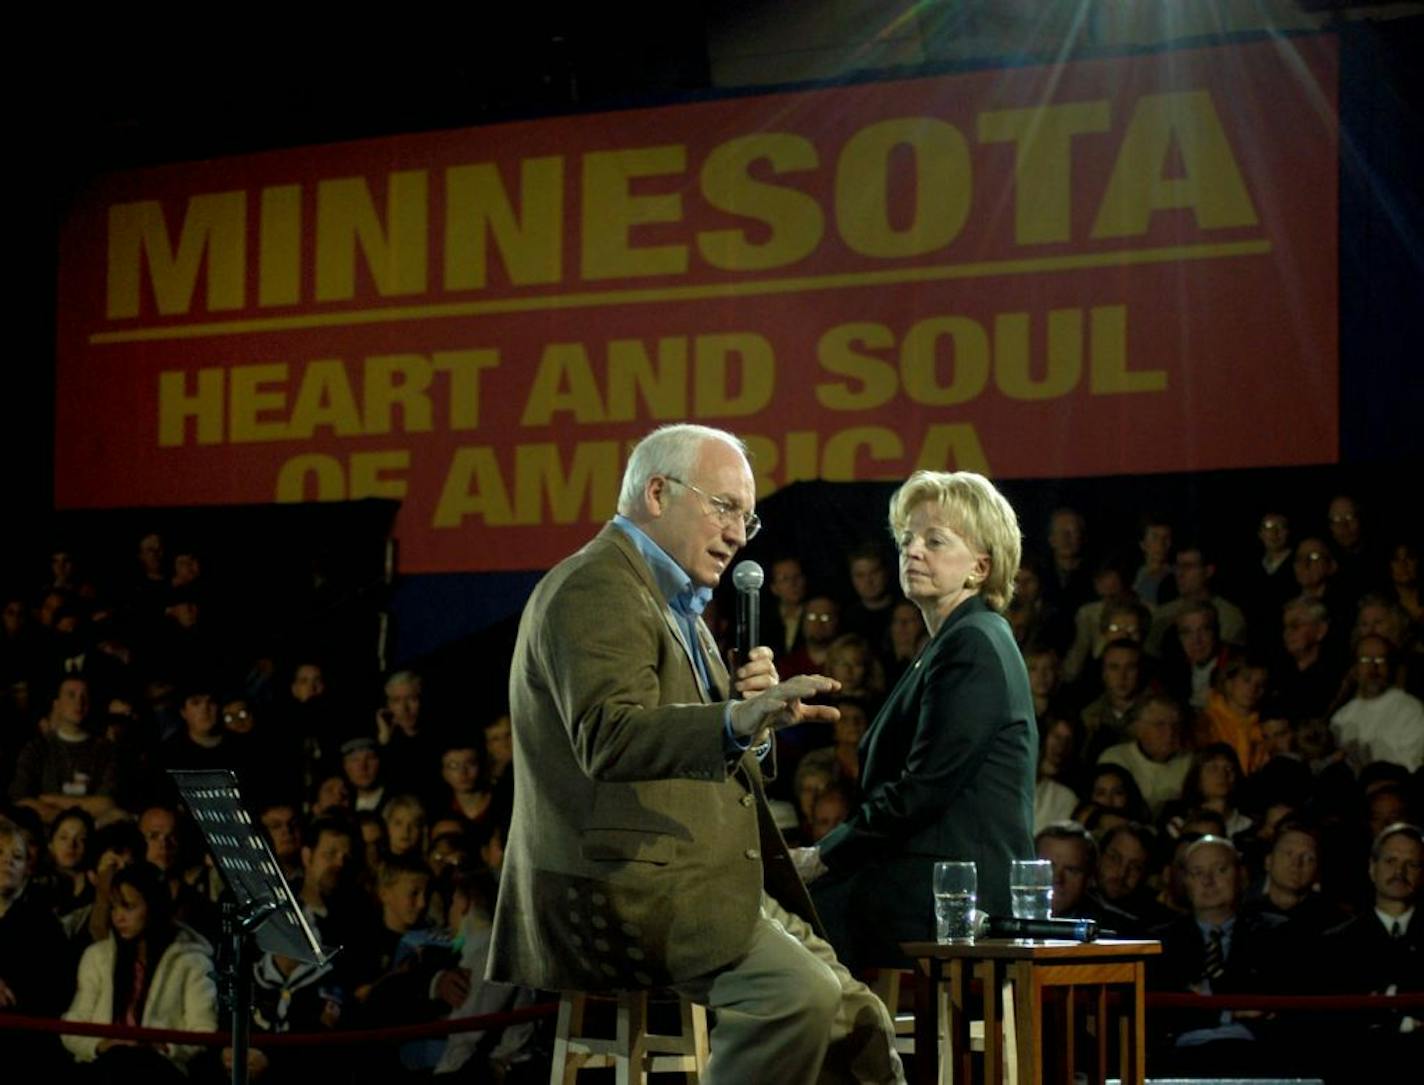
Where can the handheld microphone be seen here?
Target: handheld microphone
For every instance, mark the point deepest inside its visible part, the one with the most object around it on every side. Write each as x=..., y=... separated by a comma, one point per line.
x=748, y=578
x=1066, y=929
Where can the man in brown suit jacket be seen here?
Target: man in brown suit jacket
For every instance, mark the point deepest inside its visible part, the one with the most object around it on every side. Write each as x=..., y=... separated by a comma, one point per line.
x=642, y=853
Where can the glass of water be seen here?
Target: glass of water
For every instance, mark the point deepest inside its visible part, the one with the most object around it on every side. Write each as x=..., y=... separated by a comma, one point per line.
x=956, y=890
x=1031, y=888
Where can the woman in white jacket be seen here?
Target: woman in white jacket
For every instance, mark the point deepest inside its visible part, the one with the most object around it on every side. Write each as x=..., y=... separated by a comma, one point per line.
x=150, y=971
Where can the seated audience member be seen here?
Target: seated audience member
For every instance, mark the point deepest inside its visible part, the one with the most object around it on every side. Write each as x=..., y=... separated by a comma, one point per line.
x=477, y=1054
x=153, y=972
x=1211, y=786
x=65, y=866
x=1386, y=798
x=1382, y=617
x=372, y=829
x=850, y=661
x=782, y=628
x=499, y=762
x=1356, y=562
x=1070, y=848
x=1270, y=583
x=1315, y=573
x=289, y=995
x=814, y=774
x=404, y=816
x=1110, y=586
x=164, y=838
x=1033, y=619
x=1112, y=787
x=875, y=595
x=832, y=806
x=1189, y=676
x=1216, y=949
x=1404, y=580
x=68, y=766
x=1307, y=679
x=820, y=625
x=330, y=887
x=848, y=731
x=907, y=638
x=282, y=824
x=35, y=964
x=1154, y=755
x=1105, y=719
x=1045, y=681
x=410, y=749
x=116, y=845
x=1381, y=722
x=466, y=792
x=1194, y=570
x=1125, y=865
x=1232, y=708
x=1381, y=950
x=1153, y=582
x=304, y=708
x=361, y=764
x=1053, y=798
x=279, y=753
x=1292, y=868
x=332, y=795
x=402, y=885
x=1067, y=580
x=203, y=743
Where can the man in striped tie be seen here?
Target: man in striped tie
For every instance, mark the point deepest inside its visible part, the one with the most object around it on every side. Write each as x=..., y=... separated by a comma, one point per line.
x=1216, y=950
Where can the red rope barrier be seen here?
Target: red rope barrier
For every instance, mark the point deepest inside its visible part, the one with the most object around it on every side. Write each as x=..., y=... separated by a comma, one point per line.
x=1186, y=1001
x=336, y=1037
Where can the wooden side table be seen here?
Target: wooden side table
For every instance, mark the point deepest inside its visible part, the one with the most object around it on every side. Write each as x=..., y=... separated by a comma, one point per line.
x=1014, y=975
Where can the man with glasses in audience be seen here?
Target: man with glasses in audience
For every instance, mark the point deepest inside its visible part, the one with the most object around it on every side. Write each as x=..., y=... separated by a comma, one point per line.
x=1217, y=949
x=1270, y=583
x=642, y=853
x=1307, y=679
x=1381, y=722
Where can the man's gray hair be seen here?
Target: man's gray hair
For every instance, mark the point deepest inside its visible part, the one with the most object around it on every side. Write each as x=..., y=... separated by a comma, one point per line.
x=1314, y=609
x=403, y=678
x=670, y=451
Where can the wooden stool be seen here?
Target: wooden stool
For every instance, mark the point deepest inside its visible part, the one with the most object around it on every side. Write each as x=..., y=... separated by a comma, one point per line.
x=633, y=1051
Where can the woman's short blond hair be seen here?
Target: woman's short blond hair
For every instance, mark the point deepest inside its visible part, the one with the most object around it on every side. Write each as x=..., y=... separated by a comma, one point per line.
x=977, y=511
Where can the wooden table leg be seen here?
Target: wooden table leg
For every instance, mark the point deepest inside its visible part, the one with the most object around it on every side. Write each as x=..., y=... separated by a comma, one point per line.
x=1135, y=1073
x=929, y=1023
x=1102, y=1037
x=957, y=1060
x=1028, y=1034
x=987, y=971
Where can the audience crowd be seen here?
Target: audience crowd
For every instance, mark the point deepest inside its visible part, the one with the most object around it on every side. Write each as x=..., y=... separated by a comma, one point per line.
x=1230, y=761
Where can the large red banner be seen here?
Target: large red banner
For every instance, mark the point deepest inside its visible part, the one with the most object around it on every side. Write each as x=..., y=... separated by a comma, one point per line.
x=1109, y=266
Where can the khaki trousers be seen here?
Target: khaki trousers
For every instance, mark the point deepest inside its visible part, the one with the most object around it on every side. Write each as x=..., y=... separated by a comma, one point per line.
x=789, y=1013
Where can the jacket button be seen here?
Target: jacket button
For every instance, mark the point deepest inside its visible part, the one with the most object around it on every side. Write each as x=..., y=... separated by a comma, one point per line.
x=752, y=853
x=746, y=800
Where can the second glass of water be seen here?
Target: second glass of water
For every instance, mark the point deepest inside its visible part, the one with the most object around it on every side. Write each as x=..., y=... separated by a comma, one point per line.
x=956, y=890
x=1031, y=888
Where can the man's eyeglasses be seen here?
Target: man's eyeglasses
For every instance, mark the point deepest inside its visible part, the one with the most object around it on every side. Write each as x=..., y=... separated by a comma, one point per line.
x=1376, y=661
x=727, y=513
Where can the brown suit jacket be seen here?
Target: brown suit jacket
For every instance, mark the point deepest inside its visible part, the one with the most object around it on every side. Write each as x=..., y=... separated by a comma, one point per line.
x=638, y=849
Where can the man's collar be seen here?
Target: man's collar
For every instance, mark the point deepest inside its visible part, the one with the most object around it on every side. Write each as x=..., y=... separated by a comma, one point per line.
x=677, y=587
x=1224, y=926
x=1403, y=919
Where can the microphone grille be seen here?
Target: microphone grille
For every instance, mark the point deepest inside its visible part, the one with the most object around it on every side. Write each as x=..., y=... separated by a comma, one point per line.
x=747, y=576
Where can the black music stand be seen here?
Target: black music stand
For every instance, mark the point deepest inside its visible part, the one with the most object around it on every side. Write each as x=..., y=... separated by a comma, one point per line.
x=265, y=908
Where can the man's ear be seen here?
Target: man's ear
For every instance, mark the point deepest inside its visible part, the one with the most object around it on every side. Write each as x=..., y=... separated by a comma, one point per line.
x=655, y=495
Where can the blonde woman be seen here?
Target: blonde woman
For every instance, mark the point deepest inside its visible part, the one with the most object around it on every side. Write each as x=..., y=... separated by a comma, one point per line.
x=948, y=764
